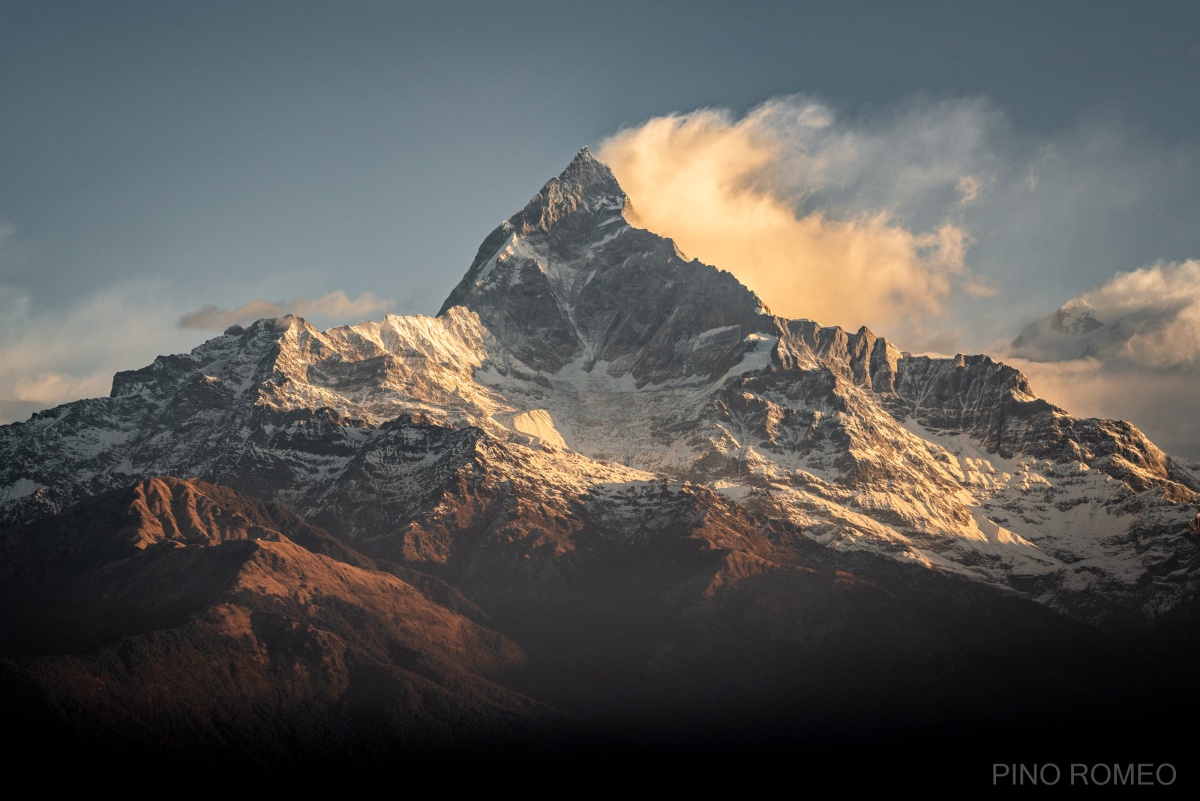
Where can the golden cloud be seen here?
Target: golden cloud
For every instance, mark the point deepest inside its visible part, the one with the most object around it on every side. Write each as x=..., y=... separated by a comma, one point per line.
x=706, y=181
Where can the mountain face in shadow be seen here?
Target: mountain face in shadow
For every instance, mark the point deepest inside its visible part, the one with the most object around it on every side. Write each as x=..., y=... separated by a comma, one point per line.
x=184, y=622
x=178, y=623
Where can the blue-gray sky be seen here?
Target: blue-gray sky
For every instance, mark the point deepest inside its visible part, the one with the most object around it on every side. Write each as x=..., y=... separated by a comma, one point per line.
x=160, y=160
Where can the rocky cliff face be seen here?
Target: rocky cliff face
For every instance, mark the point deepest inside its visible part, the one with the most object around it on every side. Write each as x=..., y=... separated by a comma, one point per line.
x=568, y=281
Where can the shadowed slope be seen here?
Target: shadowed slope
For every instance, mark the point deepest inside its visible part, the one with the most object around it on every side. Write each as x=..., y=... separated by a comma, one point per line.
x=180, y=621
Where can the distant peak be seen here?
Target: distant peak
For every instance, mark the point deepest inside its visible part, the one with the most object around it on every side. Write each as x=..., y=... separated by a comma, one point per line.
x=1075, y=317
x=1076, y=307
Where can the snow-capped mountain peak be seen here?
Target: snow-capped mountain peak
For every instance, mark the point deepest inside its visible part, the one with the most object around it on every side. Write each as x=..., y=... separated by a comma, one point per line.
x=569, y=279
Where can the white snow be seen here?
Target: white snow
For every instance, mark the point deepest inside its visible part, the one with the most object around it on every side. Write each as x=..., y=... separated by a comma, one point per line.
x=538, y=424
x=21, y=488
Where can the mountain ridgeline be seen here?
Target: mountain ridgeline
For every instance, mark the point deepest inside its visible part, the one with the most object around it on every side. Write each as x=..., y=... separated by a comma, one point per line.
x=603, y=503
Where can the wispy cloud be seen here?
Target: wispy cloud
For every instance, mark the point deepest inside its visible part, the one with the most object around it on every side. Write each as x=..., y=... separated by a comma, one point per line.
x=56, y=353
x=330, y=305
x=1129, y=348
x=52, y=356
x=929, y=221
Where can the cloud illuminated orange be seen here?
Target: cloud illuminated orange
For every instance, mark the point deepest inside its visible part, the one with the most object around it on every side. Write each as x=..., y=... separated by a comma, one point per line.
x=706, y=180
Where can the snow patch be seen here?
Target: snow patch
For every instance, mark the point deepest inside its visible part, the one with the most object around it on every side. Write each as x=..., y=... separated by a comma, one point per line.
x=538, y=424
x=21, y=488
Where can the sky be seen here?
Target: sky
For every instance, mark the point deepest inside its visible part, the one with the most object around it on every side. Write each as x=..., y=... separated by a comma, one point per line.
x=943, y=173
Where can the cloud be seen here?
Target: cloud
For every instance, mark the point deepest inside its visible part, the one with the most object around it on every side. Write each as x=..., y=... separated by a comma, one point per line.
x=330, y=305
x=1152, y=316
x=932, y=222
x=50, y=357
x=60, y=351
x=1148, y=318
x=53, y=356
x=1129, y=348
x=771, y=197
x=969, y=186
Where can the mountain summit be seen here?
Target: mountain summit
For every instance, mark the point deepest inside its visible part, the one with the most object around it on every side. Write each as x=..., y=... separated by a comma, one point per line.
x=568, y=280
x=629, y=487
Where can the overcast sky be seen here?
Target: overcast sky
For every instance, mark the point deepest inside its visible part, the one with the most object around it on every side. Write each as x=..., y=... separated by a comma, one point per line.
x=168, y=167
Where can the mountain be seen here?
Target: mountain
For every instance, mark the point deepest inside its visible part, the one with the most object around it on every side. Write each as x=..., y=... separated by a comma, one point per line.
x=1119, y=327
x=578, y=352
x=643, y=502
x=253, y=638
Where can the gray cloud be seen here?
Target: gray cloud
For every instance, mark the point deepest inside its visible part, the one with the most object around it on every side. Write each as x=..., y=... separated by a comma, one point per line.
x=330, y=305
x=1037, y=217
x=1129, y=348
x=51, y=357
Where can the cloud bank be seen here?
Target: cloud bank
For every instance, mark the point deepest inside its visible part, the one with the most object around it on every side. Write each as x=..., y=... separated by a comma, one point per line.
x=330, y=305
x=48, y=358
x=1129, y=348
x=1147, y=319
x=769, y=197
